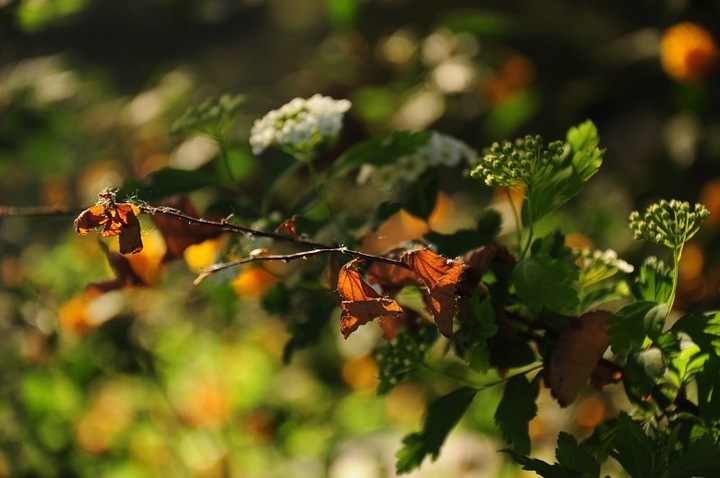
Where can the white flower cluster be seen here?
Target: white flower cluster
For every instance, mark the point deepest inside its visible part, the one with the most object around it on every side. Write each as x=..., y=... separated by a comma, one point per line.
x=300, y=124
x=440, y=150
x=603, y=259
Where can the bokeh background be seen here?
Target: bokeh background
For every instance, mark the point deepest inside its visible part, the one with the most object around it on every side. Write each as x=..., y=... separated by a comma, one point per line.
x=177, y=380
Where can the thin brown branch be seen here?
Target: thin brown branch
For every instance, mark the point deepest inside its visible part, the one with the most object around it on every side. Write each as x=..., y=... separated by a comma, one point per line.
x=316, y=248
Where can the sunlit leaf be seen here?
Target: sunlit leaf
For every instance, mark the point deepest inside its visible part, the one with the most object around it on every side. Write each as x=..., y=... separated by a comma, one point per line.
x=113, y=219
x=360, y=302
x=440, y=276
x=546, y=283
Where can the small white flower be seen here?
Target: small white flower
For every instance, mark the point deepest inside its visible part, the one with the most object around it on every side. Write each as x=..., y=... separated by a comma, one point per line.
x=409, y=168
x=300, y=124
x=384, y=178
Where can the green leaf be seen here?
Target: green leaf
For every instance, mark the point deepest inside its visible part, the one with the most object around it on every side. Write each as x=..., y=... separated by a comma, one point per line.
x=586, y=156
x=642, y=371
x=708, y=388
x=546, y=283
x=542, y=468
x=380, y=151
x=510, y=351
x=703, y=329
x=481, y=326
x=633, y=449
x=418, y=198
x=516, y=408
x=653, y=282
x=576, y=456
x=633, y=323
x=701, y=458
x=442, y=416
x=555, y=185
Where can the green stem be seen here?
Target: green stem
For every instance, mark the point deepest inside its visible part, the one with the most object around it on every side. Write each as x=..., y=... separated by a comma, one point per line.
x=677, y=253
x=530, y=227
x=516, y=214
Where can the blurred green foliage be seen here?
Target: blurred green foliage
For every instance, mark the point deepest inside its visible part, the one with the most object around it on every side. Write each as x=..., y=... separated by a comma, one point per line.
x=182, y=380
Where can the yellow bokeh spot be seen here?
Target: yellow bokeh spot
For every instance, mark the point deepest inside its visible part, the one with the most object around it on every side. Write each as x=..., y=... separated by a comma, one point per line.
x=440, y=219
x=687, y=52
x=202, y=255
x=252, y=282
x=360, y=373
x=74, y=316
x=577, y=240
x=147, y=264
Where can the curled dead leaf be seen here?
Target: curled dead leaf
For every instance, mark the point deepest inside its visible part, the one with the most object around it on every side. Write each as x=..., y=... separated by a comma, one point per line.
x=113, y=219
x=440, y=277
x=360, y=303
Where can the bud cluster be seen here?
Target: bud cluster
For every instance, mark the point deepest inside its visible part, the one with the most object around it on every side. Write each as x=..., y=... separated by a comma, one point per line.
x=402, y=356
x=520, y=163
x=669, y=223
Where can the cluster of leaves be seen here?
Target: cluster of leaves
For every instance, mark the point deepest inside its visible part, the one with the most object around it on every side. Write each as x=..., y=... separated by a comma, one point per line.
x=513, y=313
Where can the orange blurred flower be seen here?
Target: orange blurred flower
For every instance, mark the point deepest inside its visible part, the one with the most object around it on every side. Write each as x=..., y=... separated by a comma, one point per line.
x=252, y=282
x=207, y=405
x=74, y=316
x=687, y=52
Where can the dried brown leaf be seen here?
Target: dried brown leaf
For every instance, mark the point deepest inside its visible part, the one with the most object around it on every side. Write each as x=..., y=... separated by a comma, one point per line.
x=579, y=348
x=440, y=276
x=360, y=303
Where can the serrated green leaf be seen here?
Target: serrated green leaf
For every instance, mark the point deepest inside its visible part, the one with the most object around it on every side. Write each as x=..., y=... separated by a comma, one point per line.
x=516, y=408
x=642, y=371
x=652, y=283
x=633, y=449
x=630, y=325
x=576, y=456
x=543, y=282
x=587, y=157
x=708, y=385
x=540, y=467
x=701, y=458
x=703, y=329
x=481, y=326
x=441, y=417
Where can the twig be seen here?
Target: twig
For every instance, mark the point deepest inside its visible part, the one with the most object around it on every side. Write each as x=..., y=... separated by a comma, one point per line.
x=314, y=248
x=205, y=273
